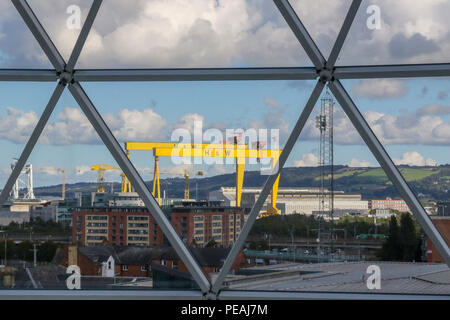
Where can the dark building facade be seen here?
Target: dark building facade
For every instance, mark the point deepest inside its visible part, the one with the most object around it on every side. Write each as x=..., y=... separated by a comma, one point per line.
x=443, y=208
x=442, y=223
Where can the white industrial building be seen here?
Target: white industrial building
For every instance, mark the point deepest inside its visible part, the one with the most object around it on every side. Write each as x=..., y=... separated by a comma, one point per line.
x=293, y=200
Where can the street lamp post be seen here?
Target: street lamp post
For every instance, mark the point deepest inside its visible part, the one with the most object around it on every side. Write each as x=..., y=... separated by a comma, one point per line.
x=292, y=240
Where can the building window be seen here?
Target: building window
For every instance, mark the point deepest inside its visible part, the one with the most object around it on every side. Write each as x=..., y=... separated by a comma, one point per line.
x=143, y=268
x=124, y=267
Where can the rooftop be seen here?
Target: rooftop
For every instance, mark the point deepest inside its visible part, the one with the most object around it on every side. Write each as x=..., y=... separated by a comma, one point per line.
x=396, y=277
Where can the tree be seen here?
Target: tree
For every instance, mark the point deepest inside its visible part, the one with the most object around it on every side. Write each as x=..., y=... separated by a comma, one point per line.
x=211, y=244
x=392, y=250
x=260, y=245
x=47, y=251
x=408, y=238
x=404, y=242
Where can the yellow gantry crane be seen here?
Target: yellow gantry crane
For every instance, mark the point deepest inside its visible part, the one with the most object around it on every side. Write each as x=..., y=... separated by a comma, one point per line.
x=101, y=169
x=239, y=152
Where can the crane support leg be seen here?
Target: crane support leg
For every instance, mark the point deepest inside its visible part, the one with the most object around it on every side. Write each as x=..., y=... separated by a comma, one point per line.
x=240, y=168
x=273, y=208
x=156, y=184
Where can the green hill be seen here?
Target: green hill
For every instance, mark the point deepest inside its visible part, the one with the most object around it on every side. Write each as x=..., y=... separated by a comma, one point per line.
x=427, y=182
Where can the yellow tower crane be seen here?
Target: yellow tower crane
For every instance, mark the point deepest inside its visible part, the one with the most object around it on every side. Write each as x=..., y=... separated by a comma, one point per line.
x=101, y=169
x=239, y=152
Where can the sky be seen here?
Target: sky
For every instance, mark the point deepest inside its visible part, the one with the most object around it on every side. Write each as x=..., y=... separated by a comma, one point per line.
x=411, y=117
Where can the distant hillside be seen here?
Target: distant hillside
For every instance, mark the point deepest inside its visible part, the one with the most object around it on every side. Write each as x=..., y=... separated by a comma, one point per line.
x=428, y=182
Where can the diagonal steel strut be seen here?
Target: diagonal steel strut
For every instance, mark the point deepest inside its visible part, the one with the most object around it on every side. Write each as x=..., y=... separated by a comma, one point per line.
x=103, y=131
x=365, y=131
x=138, y=183
x=350, y=72
x=389, y=167
x=316, y=56
x=32, y=142
x=268, y=186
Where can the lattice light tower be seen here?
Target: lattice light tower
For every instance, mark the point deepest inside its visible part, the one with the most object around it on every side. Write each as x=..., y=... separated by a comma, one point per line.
x=324, y=122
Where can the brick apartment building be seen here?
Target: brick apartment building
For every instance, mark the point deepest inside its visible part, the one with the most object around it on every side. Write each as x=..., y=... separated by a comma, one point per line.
x=388, y=203
x=197, y=223
x=116, y=226
x=442, y=223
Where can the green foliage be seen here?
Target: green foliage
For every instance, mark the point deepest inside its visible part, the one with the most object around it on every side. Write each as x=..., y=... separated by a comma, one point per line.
x=211, y=244
x=391, y=248
x=259, y=245
x=39, y=226
x=24, y=251
x=46, y=251
x=298, y=225
x=403, y=243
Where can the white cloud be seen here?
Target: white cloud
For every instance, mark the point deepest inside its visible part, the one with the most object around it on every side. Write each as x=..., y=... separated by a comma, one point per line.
x=308, y=160
x=82, y=169
x=136, y=125
x=48, y=170
x=356, y=163
x=188, y=122
x=16, y=125
x=434, y=110
x=414, y=158
x=407, y=128
x=159, y=33
x=380, y=89
x=72, y=127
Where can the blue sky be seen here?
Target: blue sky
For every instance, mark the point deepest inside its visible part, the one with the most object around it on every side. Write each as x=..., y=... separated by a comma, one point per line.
x=411, y=117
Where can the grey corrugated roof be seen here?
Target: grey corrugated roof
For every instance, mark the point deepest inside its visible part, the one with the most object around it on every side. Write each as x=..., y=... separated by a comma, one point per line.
x=210, y=257
x=396, y=277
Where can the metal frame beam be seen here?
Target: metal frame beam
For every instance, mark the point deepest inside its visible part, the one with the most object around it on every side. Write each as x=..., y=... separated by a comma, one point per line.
x=32, y=141
x=101, y=128
x=389, y=167
x=293, y=137
x=301, y=33
x=393, y=71
x=40, y=34
x=138, y=183
x=83, y=35
x=323, y=69
x=197, y=295
x=199, y=74
x=343, y=33
x=231, y=74
x=301, y=295
x=28, y=75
